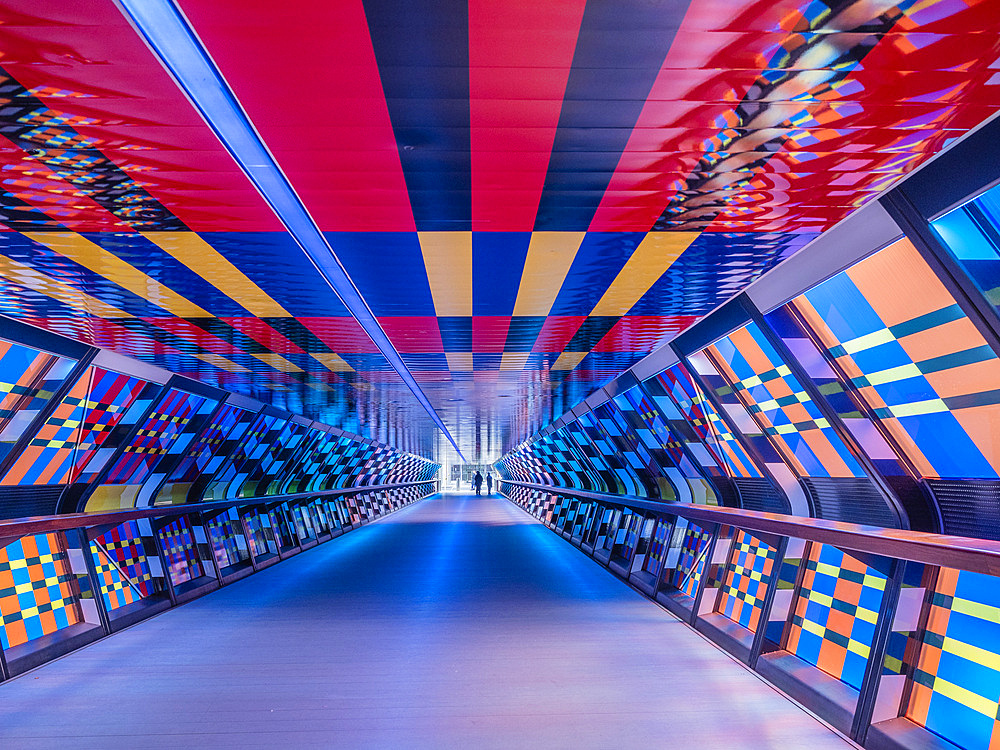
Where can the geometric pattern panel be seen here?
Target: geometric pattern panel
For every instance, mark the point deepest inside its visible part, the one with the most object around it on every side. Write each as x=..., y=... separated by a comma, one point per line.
x=914, y=358
x=75, y=430
x=972, y=233
x=723, y=447
x=28, y=380
x=223, y=535
x=179, y=551
x=956, y=685
x=690, y=565
x=751, y=565
x=160, y=429
x=833, y=623
x=38, y=593
x=120, y=556
x=779, y=403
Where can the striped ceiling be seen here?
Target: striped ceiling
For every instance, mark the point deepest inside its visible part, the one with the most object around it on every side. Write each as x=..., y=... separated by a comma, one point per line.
x=530, y=196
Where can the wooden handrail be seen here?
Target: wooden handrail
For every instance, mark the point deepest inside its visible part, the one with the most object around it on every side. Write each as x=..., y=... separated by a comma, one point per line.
x=964, y=553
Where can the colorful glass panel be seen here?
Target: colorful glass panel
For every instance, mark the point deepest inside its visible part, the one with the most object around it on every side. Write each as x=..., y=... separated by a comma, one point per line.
x=748, y=576
x=691, y=564
x=75, y=430
x=28, y=381
x=835, y=613
x=956, y=684
x=155, y=438
x=915, y=359
x=37, y=590
x=777, y=401
x=698, y=411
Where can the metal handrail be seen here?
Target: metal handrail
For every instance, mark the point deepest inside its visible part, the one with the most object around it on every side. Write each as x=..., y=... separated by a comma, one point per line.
x=965, y=553
x=18, y=527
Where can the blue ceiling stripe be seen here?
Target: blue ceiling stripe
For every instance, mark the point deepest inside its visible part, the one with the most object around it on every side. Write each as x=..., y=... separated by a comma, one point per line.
x=497, y=264
x=297, y=288
x=422, y=50
x=601, y=256
x=389, y=269
x=619, y=53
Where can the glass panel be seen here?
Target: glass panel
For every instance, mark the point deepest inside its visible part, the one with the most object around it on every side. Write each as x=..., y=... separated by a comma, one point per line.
x=28, y=380
x=777, y=401
x=835, y=613
x=918, y=363
x=38, y=593
x=76, y=429
x=972, y=234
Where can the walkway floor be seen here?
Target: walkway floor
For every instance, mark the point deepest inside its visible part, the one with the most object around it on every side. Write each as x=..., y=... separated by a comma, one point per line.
x=459, y=622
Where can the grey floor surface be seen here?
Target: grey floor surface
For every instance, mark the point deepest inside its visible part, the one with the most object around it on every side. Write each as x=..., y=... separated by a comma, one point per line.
x=459, y=622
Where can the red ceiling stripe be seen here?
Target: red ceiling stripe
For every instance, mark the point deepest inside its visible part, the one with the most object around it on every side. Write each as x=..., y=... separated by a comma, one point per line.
x=112, y=76
x=489, y=333
x=520, y=55
x=306, y=74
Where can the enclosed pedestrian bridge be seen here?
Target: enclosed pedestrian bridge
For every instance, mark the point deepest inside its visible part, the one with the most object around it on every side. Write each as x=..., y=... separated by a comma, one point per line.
x=709, y=289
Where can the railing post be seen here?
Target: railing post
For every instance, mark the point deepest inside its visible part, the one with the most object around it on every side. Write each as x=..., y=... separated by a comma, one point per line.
x=93, y=577
x=876, y=656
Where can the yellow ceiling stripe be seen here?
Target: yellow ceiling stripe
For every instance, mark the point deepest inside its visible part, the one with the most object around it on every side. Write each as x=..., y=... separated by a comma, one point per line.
x=221, y=362
x=651, y=259
x=459, y=361
x=332, y=362
x=191, y=250
x=568, y=360
x=513, y=360
x=278, y=362
x=32, y=278
x=448, y=262
x=550, y=255
x=110, y=266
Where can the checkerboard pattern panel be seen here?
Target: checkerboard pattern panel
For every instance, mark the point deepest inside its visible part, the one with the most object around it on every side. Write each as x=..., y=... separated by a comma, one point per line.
x=154, y=439
x=691, y=564
x=179, y=551
x=222, y=534
x=748, y=575
x=28, y=380
x=835, y=612
x=701, y=415
x=956, y=685
x=38, y=591
x=120, y=557
x=776, y=400
x=915, y=359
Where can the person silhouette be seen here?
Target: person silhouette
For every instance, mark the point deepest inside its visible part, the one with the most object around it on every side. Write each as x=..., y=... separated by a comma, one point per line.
x=478, y=481
x=489, y=483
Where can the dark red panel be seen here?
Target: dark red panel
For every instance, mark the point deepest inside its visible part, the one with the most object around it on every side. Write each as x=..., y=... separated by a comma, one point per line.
x=557, y=332
x=342, y=335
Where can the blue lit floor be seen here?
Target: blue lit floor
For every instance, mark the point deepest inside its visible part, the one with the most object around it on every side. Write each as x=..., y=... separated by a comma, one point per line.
x=457, y=623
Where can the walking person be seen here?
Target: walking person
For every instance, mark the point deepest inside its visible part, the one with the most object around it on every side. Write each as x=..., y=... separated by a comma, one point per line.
x=489, y=483
x=478, y=481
